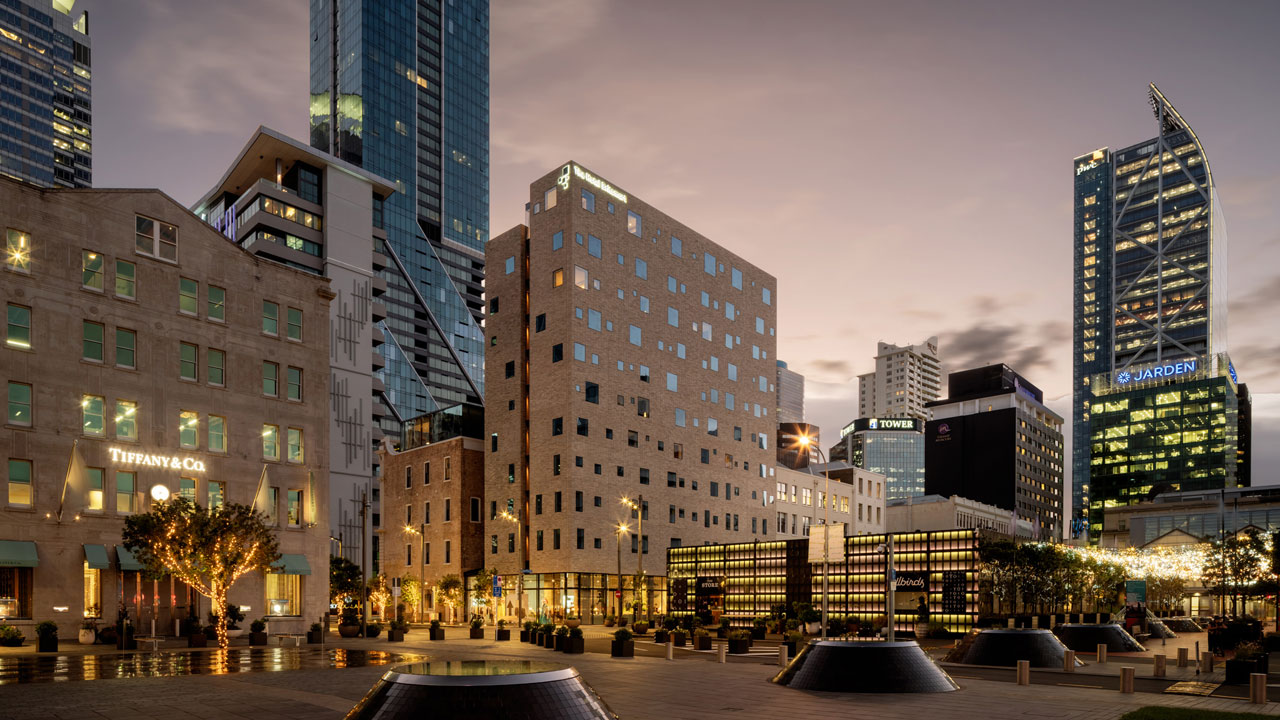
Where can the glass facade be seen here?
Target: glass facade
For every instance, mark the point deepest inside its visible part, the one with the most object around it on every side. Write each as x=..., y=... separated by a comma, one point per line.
x=899, y=456
x=46, y=115
x=402, y=90
x=550, y=597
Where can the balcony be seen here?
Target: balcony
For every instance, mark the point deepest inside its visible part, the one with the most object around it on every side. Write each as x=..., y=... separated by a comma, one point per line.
x=379, y=311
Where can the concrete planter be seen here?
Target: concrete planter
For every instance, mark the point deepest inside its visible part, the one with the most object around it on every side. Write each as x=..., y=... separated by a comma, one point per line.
x=503, y=635
x=622, y=648
x=348, y=631
x=702, y=642
x=477, y=633
x=739, y=646
x=436, y=633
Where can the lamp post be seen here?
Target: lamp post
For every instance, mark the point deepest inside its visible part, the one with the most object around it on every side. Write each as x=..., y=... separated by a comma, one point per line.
x=638, y=506
x=807, y=443
x=515, y=518
x=622, y=530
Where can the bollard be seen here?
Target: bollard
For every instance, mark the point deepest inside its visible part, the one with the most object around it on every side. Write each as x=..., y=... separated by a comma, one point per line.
x=1206, y=662
x=1035, y=622
x=722, y=649
x=670, y=649
x=1069, y=661
x=1157, y=666
x=1258, y=688
x=1126, y=679
x=782, y=654
x=1182, y=657
x=1102, y=652
x=1010, y=623
x=1024, y=672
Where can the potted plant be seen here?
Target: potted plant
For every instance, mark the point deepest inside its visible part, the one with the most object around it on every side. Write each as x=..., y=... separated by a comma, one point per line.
x=660, y=635
x=210, y=633
x=922, y=619
x=810, y=618
x=701, y=639
x=758, y=627
x=640, y=628
x=195, y=635
x=622, y=644
x=545, y=635
x=373, y=630
x=575, y=644
x=610, y=621
x=572, y=621
x=851, y=625
x=723, y=630
x=234, y=617
x=88, y=631
x=349, y=623
x=561, y=638
x=47, y=636
x=10, y=636
x=258, y=632
x=739, y=642
x=477, y=627
x=1249, y=658
x=315, y=635
x=526, y=634
x=503, y=634
x=436, y=632
x=792, y=641
x=678, y=638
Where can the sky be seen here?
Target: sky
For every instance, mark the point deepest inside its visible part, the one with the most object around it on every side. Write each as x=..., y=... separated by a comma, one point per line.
x=903, y=169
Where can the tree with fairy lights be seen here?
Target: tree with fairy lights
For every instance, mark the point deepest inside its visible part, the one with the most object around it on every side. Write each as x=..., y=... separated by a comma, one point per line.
x=208, y=549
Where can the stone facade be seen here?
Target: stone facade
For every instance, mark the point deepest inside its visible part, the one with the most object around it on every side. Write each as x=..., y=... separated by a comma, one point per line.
x=799, y=494
x=92, y=278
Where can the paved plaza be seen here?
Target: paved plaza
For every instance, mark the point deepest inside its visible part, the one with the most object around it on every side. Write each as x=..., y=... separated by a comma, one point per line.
x=648, y=686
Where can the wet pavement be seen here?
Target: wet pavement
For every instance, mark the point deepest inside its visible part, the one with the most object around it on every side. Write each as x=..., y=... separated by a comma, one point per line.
x=63, y=668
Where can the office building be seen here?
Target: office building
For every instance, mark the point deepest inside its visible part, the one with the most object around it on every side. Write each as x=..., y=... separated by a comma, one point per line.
x=46, y=113
x=993, y=440
x=629, y=358
x=433, y=505
x=306, y=209
x=1155, y=399
x=929, y=513
x=800, y=499
x=790, y=386
x=145, y=357
x=906, y=378
x=892, y=447
x=401, y=89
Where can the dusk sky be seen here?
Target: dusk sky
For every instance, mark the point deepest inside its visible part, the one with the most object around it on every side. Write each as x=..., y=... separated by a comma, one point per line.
x=903, y=169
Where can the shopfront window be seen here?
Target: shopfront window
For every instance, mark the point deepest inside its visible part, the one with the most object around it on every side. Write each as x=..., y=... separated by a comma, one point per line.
x=92, y=591
x=15, y=592
x=284, y=595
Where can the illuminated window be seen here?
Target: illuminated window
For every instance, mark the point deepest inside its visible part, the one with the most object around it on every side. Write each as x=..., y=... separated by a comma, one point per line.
x=295, y=384
x=92, y=419
x=634, y=224
x=188, y=429
x=217, y=305
x=91, y=341
x=557, y=277
x=93, y=483
x=270, y=318
x=19, y=404
x=216, y=367
x=580, y=277
x=284, y=595
x=126, y=279
x=156, y=239
x=295, y=445
x=18, y=334
x=126, y=420
x=91, y=269
x=217, y=433
x=294, y=324
x=295, y=508
x=187, y=361
x=126, y=348
x=126, y=483
x=20, y=483
x=17, y=254
x=188, y=296
x=270, y=378
x=271, y=442
x=549, y=199
x=588, y=201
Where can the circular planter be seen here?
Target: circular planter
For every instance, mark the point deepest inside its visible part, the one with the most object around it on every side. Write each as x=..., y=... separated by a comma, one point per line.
x=87, y=637
x=235, y=632
x=1087, y=638
x=573, y=622
x=1003, y=647
x=865, y=667
x=469, y=689
x=348, y=631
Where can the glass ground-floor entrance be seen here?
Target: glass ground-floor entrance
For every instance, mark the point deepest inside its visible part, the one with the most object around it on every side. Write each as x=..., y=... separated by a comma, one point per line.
x=551, y=597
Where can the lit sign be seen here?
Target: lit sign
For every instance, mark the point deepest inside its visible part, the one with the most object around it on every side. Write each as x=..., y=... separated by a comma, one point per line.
x=1086, y=167
x=1156, y=372
x=125, y=457
x=891, y=424
x=1231, y=370
x=159, y=493
x=226, y=223
x=944, y=429
x=594, y=182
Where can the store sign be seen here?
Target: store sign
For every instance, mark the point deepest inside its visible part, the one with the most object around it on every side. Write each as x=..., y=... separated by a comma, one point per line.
x=710, y=586
x=911, y=582
x=1157, y=372
x=591, y=180
x=891, y=424
x=167, y=462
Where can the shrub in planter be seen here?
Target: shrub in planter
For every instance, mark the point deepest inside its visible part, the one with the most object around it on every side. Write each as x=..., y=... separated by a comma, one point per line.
x=723, y=631
x=527, y=634
x=622, y=644
x=315, y=635
x=1249, y=658
x=88, y=634
x=758, y=627
x=640, y=628
x=610, y=621
x=477, y=627
x=503, y=634
x=10, y=636
x=546, y=635
x=575, y=644
x=670, y=623
x=107, y=635
x=211, y=633
x=811, y=619
x=561, y=638
x=678, y=638
x=373, y=630
x=258, y=632
x=701, y=639
x=572, y=621
x=793, y=641
x=660, y=636
x=235, y=616
x=349, y=624
x=937, y=631
x=47, y=636
x=739, y=642
x=436, y=632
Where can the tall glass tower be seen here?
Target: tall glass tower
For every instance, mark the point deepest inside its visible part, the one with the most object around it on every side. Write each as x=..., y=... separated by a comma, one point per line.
x=1155, y=395
x=46, y=116
x=402, y=90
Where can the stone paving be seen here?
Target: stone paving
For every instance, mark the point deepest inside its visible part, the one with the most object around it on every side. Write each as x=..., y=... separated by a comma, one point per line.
x=693, y=686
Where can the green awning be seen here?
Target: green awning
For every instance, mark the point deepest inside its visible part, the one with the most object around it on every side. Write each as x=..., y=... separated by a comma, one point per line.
x=292, y=565
x=126, y=561
x=18, y=553
x=96, y=555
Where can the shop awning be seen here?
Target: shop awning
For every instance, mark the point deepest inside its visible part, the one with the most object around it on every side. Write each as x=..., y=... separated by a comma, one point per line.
x=292, y=564
x=18, y=553
x=126, y=561
x=96, y=556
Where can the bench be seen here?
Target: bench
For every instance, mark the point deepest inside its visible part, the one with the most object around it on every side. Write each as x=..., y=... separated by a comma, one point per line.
x=154, y=640
x=297, y=639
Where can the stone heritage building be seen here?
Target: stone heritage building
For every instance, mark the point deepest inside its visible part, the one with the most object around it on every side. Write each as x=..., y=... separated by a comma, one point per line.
x=628, y=360
x=145, y=357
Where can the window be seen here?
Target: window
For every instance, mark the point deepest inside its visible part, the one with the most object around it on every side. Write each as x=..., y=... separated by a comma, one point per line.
x=594, y=248
x=557, y=426
x=294, y=512
x=92, y=271
x=677, y=248
x=593, y=319
x=17, y=254
x=156, y=238
x=680, y=418
x=642, y=269
x=91, y=341
x=448, y=475
x=588, y=204
x=270, y=318
x=580, y=277
x=584, y=427
x=217, y=305
x=188, y=429
x=188, y=295
x=126, y=348
x=217, y=433
x=673, y=382
x=187, y=361
x=475, y=509
x=216, y=370
x=19, y=327
x=126, y=279
x=634, y=335
x=426, y=473
x=187, y=488
x=284, y=594
x=766, y=296
x=592, y=393
x=293, y=324
x=125, y=485
x=93, y=483
x=709, y=264
x=19, y=404
x=295, y=445
x=580, y=352
x=633, y=224
x=20, y=483
x=555, y=539
x=91, y=415
x=448, y=509
x=270, y=378
x=126, y=420
x=295, y=384
x=736, y=276
x=540, y=323
x=557, y=277
x=271, y=442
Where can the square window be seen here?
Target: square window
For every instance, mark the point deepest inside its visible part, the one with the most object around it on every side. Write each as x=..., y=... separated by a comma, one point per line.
x=20, y=483
x=270, y=379
x=295, y=384
x=557, y=354
x=557, y=240
x=217, y=433
x=92, y=415
x=126, y=482
x=156, y=238
x=594, y=248
x=642, y=269
x=677, y=248
x=634, y=335
x=580, y=277
x=509, y=265
x=588, y=204
x=271, y=442
x=217, y=367
x=557, y=277
x=295, y=445
x=188, y=429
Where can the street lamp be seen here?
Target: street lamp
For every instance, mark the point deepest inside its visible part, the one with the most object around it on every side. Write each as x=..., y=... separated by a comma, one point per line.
x=515, y=518
x=638, y=506
x=807, y=443
x=886, y=548
x=622, y=530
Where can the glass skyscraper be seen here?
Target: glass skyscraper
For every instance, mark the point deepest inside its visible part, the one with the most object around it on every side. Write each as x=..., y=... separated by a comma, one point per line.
x=46, y=116
x=893, y=447
x=1155, y=396
x=401, y=89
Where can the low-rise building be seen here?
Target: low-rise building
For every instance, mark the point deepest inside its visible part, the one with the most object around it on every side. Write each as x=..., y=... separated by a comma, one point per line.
x=928, y=513
x=800, y=502
x=1191, y=517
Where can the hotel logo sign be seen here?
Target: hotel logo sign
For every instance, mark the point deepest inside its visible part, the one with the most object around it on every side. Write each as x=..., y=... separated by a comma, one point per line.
x=590, y=179
x=166, y=462
x=1157, y=372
